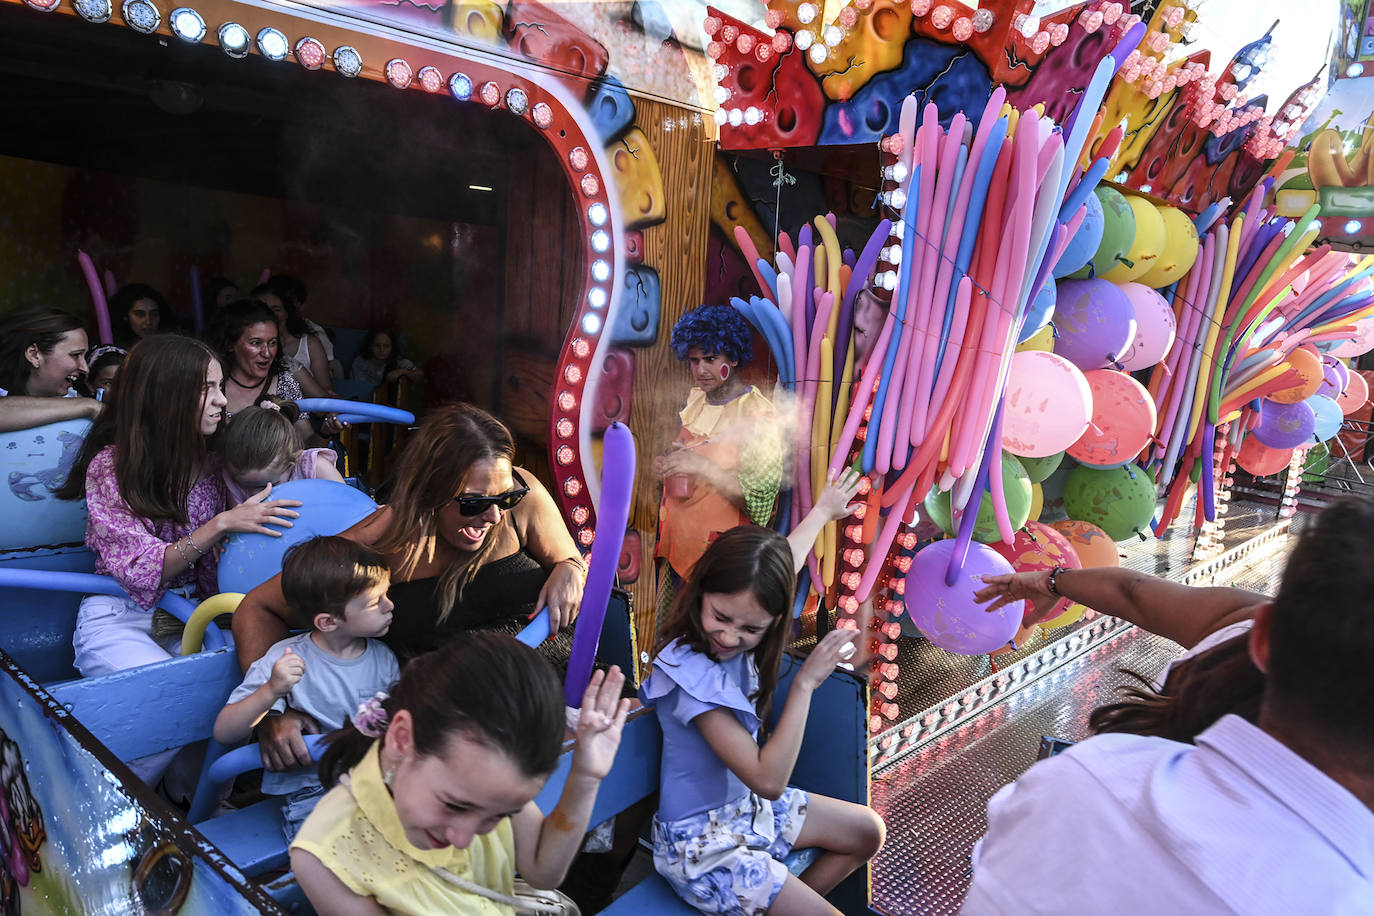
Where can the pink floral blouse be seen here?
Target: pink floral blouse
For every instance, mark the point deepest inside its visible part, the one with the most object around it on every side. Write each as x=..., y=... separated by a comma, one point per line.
x=130, y=548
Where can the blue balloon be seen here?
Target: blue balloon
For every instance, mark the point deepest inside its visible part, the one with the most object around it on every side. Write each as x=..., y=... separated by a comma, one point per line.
x=1329, y=417
x=1039, y=312
x=327, y=507
x=1085, y=241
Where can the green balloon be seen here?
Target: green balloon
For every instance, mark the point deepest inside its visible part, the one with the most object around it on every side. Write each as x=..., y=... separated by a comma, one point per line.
x=1016, y=486
x=1037, y=469
x=1118, y=233
x=1120, y=501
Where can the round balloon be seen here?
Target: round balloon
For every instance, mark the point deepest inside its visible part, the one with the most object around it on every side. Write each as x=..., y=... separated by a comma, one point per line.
x=1308, y=366
x=1037, y=469
x=1047, y=407
x=1180, y=249
x=1016, y=487
x=1122, y=423
x=1335, y=375
x=1360, y=341
x=948, y=615
x=1118, y=232
x=1042, y=339
x=1095, y=322
x=1037, y=503
x=1285, y=426
x=1326, y=417
x=1355, y=395
x=1259, y=459
x=1120, y=501
x=1146, y=247
x=1084, y=243
x=1072, y=614
x=327, y=507
x=1037, y=547
x=1155, y=327
x=1038, y=312
x=1053, y=489
x=1092, y=545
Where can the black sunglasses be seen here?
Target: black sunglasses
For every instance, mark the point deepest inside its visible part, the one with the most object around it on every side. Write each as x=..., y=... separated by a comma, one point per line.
x=472, y=506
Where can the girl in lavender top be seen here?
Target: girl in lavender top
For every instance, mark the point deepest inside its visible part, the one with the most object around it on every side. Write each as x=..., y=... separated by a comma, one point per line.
x=262, y=447
x=156, y=501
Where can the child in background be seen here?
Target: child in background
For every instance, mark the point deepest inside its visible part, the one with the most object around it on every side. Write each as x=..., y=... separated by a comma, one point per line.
x=103, y=363
x=260, y=446
x=340, y=587
x=433, y=811
x=727, y=816
x=379, y=362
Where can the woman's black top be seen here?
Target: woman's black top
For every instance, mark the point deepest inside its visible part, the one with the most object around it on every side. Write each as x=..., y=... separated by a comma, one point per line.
x=499, y=598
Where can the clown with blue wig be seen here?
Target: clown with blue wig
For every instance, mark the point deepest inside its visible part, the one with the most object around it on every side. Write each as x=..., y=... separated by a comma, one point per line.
x=725, y=466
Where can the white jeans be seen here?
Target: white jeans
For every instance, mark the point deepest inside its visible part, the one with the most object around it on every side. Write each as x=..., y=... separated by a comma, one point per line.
x=114, y=633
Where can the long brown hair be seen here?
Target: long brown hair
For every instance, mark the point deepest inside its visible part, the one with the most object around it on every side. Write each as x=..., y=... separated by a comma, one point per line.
x=154, y=426
x=745, y=558
x=32, y=325
x=484, y=686
x=431, y=470
x=1198, y=691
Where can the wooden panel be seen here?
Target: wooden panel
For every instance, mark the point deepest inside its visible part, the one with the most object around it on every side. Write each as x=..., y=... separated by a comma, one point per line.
x=676, y=248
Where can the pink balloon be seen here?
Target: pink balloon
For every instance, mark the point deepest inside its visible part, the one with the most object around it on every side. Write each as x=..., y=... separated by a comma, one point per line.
x=1361, y=342
x=1048, y=404
x=1355, y=395
x=1155, y=327
x=1123, y=420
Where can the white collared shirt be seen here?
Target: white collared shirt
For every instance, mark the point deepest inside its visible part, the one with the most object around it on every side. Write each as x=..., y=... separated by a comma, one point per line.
x=1123, y=824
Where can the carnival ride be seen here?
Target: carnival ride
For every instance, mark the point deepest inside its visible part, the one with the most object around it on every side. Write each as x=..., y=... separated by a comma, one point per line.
x=996, y=417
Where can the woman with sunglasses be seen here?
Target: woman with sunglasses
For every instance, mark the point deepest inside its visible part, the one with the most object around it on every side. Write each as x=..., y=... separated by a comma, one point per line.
x=472, y=541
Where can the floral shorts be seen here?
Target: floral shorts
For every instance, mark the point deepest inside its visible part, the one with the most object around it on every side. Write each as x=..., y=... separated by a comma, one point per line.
x=729, y=860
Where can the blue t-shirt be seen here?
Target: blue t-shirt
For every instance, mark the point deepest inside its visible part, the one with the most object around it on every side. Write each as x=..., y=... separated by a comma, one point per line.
x=682, y=685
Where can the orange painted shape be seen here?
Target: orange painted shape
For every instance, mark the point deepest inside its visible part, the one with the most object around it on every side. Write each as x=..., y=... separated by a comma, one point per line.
x=874, y=45
x=638, y=179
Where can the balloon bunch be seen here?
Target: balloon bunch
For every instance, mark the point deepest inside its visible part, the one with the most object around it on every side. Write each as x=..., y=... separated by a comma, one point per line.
x=1253, y=317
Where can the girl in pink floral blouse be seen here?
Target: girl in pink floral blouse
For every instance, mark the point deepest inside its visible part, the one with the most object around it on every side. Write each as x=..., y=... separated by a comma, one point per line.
x=156, y=501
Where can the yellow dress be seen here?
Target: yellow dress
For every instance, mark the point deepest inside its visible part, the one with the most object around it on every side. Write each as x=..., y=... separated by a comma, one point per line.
x=355, y=832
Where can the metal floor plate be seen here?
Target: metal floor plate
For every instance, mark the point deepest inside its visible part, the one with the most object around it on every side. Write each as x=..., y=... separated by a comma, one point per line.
x=934, y=799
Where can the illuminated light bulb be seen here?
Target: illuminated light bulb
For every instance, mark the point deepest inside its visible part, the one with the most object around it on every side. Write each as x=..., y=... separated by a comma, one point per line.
x=763, y=52
x=728, y=34
x=596, y=297
x=581, y=349
x=888, y=689
x=833, y=35
x=875, y=723
x=818, y=53
x=591, y=185
x=347, y=61
x=596, y=214
x=963, y=28
x=904, y=564
x=1027, y=25
x=1040, y=43
x=586, y=537
x=578, y=159
x=572, y=487
x=896, y=198
x=848, y=17
x=721, y=95
x=99, y=11
x=431, y=80
x=736, y=117
x=489, y=93
x=892, y=630
x=565, y=455
x=1157, y=41
x=888, y=651
x=782, y=41
x=983, y=20
x=710, y=25
x=234, y=40
x=600, y=240
x=899, y=586
x=803, y=40
x=921, y=7
x=272, y=44
x=849, y=603
x=854, y=557
x=591, y=324
x=601, y=271
x=745, y=43
x=460, y=86
x=573, y=375
x=1059, y=33
x=888, y=279
x=187, y=25
x=567, y=401
x=564, y=428
x=908, y=540
x=1111, y=13
x=860, y=511
x=806, y=12
x=898, y=230
x=942, y=17
x=720, y=71
x=398, y=73
x=774, y=18
x=714, y=49
x=752, y=116
x=310, y=53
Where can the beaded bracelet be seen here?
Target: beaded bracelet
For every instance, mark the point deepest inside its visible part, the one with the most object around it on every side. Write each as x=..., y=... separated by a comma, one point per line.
x=181, y=551
x=192, y=541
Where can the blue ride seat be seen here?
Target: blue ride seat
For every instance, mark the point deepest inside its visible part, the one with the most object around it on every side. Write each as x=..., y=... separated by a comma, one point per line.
x=655, y=895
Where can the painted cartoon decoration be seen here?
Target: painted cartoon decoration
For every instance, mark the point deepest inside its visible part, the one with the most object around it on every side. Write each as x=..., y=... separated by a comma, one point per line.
x=38, y=460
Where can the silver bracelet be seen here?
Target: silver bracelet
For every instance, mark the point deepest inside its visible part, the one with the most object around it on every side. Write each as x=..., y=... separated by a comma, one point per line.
x=192, y=541
x=181, y=551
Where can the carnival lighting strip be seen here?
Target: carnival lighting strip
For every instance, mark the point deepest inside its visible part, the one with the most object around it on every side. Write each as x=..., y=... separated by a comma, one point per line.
x=408, y=61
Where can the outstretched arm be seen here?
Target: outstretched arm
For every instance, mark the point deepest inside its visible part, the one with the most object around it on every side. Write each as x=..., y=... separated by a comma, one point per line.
x=23, y=412
x=832, y=505
x=1178, y=612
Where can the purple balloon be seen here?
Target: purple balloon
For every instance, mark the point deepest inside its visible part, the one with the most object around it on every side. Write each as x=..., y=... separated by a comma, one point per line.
x=613, y=514
x=947, y=615
x=1285, y=425
x=1335, y=376
x=1094, y=323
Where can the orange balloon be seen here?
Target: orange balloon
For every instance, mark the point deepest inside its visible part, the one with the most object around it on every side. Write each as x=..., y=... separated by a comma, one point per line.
x=1309, y=366
x=1093, y=545
x=1261, y=460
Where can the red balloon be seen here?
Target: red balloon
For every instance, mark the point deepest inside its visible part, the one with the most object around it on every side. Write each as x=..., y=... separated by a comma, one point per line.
x=1124, y=418
x=1037, y=547
x=1261, y=460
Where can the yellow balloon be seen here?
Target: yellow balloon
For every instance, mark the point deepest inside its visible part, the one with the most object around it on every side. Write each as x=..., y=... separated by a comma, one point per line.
x=1072, y=615
x=1042, y=339
x=1037, y=502
x=1180, y=249
x=1144, y=252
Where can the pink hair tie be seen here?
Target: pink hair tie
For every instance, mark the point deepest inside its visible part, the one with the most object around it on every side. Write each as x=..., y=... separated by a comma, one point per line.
x=371, y=717
x=273, y=405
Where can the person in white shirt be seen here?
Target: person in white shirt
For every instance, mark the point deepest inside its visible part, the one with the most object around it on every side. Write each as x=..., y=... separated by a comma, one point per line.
x=1267, y=818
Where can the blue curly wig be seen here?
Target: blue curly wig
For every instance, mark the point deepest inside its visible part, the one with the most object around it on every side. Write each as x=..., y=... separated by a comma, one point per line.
x=716, y=330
